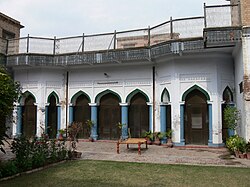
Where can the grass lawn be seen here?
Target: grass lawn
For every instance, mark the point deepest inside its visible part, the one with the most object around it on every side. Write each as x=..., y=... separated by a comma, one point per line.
x=118, y=174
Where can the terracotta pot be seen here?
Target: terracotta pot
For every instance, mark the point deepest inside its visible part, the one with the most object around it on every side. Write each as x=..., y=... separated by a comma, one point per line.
x=91, y=139
x=241, y=155
x=60, y=137
x=248, y=155
x=157, y=142
x=149, y=142
x=237, y=154
x=169, y=142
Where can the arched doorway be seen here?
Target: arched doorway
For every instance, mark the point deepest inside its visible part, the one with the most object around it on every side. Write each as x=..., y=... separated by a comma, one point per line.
x=81, y=113
x=52, y=117
x=196, y=118
x=165, y=99
x=109, y=116
x=138, y=115
x=227, y=101
x=29, y=114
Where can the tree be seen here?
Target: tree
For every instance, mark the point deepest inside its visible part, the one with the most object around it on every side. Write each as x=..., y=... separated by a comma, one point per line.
x=231, y=117
x=9, y=92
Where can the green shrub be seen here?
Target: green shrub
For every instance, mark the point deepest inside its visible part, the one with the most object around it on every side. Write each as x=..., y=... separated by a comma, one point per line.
x=8, y=168
x=236, y=143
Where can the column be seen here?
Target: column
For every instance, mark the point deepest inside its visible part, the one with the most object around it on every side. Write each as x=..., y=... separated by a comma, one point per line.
x=58, y=119
x=46, y=119
x=19, y=121
x=150, y=116
x=210, y=140
x=71, y=114
x=94, y=108
x=182, y=140
x=124, y=118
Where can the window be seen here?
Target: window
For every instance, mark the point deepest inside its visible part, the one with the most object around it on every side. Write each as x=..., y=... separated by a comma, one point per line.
x=7, y=35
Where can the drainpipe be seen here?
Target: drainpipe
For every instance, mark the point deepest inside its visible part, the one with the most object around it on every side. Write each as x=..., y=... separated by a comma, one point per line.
x=153, y=98
x=66, y=102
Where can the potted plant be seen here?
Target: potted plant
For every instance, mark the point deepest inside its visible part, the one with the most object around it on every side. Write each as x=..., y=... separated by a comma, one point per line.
x=248, y=150
x=61, y=134
x=73, y=132
x=169, y=138
x=236, y=145
x=158, y=137
x=148, y=135
x=231, y=118
x=89, y=124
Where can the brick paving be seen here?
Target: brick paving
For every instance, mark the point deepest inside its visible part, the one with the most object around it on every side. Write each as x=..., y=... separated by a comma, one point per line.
x=106, y=150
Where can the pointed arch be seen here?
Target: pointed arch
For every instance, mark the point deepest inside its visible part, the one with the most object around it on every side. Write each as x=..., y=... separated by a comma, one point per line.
x=76, y=95
x=24, y=96
x=227, y=95
x=195, y=87
x=55, y=95
x=134, y=93
x=99, y=96
x=165, y=97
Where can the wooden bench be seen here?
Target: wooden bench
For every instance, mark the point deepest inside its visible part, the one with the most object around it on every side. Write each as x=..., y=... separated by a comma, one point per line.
x=128, y=141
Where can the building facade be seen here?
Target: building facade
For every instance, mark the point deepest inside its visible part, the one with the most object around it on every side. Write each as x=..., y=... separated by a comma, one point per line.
x=178, y=75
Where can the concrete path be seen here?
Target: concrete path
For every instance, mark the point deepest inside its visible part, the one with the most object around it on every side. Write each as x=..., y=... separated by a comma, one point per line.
x=154, y=154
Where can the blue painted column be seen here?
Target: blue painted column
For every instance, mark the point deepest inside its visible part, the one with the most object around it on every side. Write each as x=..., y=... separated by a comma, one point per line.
x=182, y=118
x=58, y=119
x=124, y=118
x=71, y=114
x=163, y=117
x=210, y=121
x=150, y=117
x=94, y=108
x=46, y=119
x=19, y=121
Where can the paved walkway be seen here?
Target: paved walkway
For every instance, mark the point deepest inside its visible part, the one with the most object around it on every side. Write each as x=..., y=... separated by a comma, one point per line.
x=154, y=154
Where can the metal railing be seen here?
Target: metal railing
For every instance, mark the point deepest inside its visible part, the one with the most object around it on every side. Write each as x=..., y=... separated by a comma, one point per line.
x=174, y=29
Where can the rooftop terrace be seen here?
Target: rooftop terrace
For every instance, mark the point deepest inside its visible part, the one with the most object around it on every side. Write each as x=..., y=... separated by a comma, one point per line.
x=218, y=27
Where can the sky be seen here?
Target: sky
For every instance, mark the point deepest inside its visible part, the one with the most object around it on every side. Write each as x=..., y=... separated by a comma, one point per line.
x=62, y=18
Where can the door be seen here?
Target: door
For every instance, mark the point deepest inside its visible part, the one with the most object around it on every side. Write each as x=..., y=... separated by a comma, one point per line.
x=109, y=117
x=29, y=117
x=138, y=115
x=196, y=123
x=52, y=117
x=82, y=114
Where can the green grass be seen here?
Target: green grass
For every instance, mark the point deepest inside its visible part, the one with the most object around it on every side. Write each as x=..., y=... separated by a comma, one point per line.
x=108, y=173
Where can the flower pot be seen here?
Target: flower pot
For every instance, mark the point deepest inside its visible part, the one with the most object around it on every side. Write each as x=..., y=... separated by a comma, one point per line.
x=91, y=139
x=157, y=142
x=237, y=154
x=248, y=155
x=60, y=137
x=241, y=155
x=169, y=142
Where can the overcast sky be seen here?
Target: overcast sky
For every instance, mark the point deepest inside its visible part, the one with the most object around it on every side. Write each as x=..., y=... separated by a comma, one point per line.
x=59, y=18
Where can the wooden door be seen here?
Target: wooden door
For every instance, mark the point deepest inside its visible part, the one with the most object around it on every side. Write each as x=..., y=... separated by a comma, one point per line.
x=196, y=123
x=138, y=115
x=52, y=118
x=109, y=117
x=82, y=114
x=29, y=113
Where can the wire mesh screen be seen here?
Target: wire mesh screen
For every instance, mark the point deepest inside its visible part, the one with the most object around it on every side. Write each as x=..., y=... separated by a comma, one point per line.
x=222, y=16
x=130, y=39
x=68, y=45
x=187, y=28
x=161, y=33
x=41, y=45
x=98, y=42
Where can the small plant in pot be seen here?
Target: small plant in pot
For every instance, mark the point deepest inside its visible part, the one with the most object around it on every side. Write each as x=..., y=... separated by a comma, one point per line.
x=148, y=135
x=231, y=118
x=61, y=134
x=158, y=137
x=89, y=124
x=73, y=132
x=169, y=138
x=236, y=145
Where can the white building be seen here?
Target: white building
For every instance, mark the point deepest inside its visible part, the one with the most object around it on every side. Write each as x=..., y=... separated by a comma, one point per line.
x=182, y=83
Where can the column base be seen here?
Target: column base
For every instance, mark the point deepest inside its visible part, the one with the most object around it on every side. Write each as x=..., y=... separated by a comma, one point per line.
x=216, y=145
x=179, y=144
x=95, y=137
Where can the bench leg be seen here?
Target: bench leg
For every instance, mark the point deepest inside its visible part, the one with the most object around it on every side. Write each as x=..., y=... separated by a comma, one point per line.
x=139, y=148
x=146, y=145
x=117, y=148
x=127, y=146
